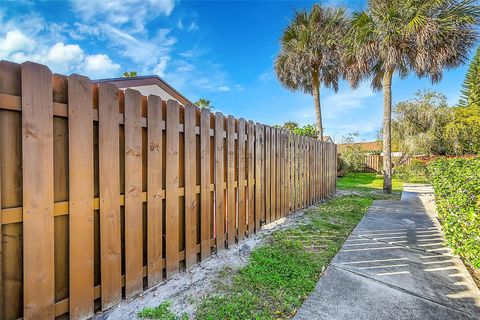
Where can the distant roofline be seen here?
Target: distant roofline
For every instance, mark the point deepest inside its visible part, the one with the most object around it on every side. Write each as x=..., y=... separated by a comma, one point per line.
x=139, y=78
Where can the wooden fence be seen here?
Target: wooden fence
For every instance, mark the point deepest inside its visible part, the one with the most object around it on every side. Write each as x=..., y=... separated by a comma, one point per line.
x=105, y=193
x=374, y=162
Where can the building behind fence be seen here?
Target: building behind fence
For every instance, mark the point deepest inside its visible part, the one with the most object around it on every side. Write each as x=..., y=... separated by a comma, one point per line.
x=105, y=193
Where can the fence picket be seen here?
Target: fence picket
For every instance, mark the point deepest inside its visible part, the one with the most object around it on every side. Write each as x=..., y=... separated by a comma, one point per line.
x=205, y=203
x=242, y=221
x=154, y=191
x=109, y=168
x=81, y=193
x=219, y=181
x=231, y=227
x=171, y=188
x=251, y=176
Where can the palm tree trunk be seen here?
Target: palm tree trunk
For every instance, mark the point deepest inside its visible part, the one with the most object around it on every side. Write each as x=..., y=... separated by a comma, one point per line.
x=387, y=137
x=316, y=98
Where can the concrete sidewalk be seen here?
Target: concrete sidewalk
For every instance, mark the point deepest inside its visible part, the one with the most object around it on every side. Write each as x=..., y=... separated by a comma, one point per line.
x=395, y=265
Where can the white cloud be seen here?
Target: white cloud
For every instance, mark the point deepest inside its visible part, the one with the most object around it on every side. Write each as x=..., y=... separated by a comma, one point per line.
x=161, y=66
x=15, y=41
x=100, y=65
x=224, y=88
x=65, y=55
x=349, y=99
x=134, y=13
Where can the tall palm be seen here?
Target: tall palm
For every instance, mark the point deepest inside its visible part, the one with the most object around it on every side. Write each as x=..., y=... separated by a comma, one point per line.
x=311, y=53
x=422, y=37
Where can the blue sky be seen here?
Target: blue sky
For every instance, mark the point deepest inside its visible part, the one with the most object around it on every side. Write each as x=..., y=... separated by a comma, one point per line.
x=222, y=51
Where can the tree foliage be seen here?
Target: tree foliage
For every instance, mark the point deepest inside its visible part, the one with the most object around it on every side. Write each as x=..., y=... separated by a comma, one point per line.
x=463, y=132
x=471, y=86
x=352, y=157
x=311, y=52
x=130, y=74
x=415, y=36
x=418, y=125
x=204, y=104
x=308, y=130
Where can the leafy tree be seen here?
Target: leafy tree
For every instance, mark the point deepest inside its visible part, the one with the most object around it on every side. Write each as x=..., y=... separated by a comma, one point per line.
x=418, y=125
x=290, y=125
x=463, y=131
x=471, y=86
x=414, y=36
x=308, y=130
x=352, y=156
x=311, y=51
x=204, y=104
x=130, y=74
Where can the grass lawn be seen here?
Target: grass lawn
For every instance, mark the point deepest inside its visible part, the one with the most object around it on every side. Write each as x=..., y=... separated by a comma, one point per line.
x=283, y=271
x=366, y=182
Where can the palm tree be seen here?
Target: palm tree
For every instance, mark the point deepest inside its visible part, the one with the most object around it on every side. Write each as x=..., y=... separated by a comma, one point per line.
x=203, y=104
x=407, y=36
x=311, y=53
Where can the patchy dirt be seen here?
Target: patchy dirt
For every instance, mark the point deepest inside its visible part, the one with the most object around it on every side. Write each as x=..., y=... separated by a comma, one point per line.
x=186, y=289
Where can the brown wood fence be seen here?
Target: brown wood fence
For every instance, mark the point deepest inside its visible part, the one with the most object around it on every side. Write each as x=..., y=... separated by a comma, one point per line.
x=105, y=193
x=374, y=162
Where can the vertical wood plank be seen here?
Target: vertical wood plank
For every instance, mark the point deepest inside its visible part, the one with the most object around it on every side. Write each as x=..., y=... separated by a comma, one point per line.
x=190, y=186
x=231, y=230
x=282, y=172
x=267, y=176
x=278, y=181
x=154, y=190
x=12, y=193
x=219, y=181
x=171, y=187
x=242, y=219
x=109, y=169
x=38, y=197
x=273, y=174
x=251, y=176
x=80, y=126
x=285, y=173
x=258, y=178
x=133, y=193
x=2, y=314
x=205, y=178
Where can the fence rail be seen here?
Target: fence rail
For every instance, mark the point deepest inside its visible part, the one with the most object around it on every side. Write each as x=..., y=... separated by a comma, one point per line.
x=104, y=192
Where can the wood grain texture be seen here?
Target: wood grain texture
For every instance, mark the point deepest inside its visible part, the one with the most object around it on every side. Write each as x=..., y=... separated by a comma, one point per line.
x=251, y=176
x=231, y=205
x=268, y=160
x=133, y=192
x=171, y=188
x=242, y=221
x=190, y=184
x=109, y=177
x=273, y=174
x=154, y=191
x=205, y=177
x=38, y=197
x=258, y=178
x=80, y=126
x=219, y=182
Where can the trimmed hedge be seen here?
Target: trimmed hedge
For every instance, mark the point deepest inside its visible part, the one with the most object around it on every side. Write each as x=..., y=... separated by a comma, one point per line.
x=457, y=192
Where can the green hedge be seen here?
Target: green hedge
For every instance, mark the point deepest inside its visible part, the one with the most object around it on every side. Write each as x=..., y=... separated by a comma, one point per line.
x=457, y=192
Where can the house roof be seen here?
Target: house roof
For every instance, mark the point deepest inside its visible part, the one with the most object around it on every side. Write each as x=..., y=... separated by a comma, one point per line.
x=127, y=82
x=327, y=139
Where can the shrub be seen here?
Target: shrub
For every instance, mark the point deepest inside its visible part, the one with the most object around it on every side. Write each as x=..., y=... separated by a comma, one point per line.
x=457, y=192
x=415, y=172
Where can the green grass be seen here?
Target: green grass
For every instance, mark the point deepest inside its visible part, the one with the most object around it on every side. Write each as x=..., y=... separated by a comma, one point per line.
x=366, y=182
x=281, y=273
x=161, y=312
